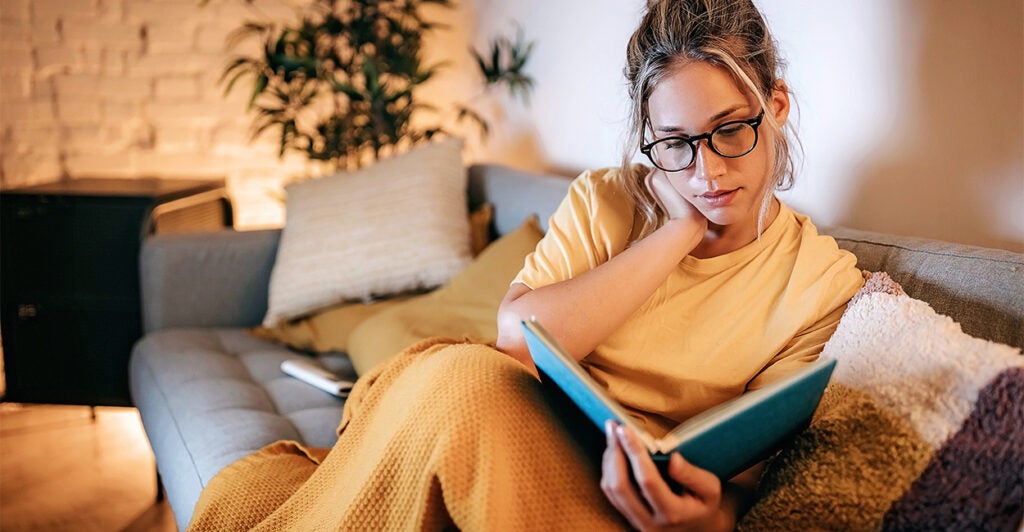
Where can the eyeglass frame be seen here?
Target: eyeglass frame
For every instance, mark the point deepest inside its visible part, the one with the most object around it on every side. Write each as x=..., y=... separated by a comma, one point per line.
x=692, y=142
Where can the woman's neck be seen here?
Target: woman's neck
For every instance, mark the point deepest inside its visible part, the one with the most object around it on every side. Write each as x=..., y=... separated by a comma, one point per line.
x=722, y=239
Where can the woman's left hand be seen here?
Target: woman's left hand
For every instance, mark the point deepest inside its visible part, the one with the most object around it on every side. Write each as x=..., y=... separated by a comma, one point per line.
x=649, y=503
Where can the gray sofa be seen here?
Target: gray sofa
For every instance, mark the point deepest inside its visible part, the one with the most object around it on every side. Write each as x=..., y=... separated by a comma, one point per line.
x=210, y=394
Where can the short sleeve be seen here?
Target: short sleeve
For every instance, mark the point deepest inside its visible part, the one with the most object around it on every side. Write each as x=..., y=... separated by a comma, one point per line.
x=590, y=226
x=803, y=349
x=807, y=344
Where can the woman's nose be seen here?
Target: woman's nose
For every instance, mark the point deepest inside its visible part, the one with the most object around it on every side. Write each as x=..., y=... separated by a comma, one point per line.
x=709, y=165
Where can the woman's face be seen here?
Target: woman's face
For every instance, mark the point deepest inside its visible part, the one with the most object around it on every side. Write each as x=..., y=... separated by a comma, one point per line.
x=694, y=98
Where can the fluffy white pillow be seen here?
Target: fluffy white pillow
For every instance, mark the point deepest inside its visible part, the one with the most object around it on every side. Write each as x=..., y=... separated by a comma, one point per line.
x=398, y=225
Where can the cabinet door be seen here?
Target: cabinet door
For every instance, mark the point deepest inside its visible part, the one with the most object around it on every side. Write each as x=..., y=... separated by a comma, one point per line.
x=36, y=241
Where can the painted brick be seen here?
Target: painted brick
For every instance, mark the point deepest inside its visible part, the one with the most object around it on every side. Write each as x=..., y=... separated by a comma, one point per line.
x=178, y=164
x=78, y=112
x=89, y=139
x=14, y=31
x=14, y=85
x=168, y=64
x=164, y=11
x=212, y=38
x=43, y=8
x=125, y=89
x=116, y=36
x=170, y=37
x=187, y=139
x=15, y=58
x=21, y=111
x=176, y=89
x=55, y=58
x=114, y=63
x=179, y=114
x=77, y=84
x=46, y=31
x=117, y=112
x=100, y=164
x=14, y=12
x=20, y=171
x=35, y=136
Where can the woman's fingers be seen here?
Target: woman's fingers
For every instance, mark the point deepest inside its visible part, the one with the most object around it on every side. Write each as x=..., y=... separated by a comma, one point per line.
x=616, y=484
x=654, y=488
x=701, y=483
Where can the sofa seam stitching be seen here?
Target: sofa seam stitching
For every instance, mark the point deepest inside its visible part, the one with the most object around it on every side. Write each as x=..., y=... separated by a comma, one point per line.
x=177, y=426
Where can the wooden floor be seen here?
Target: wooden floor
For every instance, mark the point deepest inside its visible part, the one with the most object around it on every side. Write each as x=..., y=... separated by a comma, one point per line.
x=62, y=470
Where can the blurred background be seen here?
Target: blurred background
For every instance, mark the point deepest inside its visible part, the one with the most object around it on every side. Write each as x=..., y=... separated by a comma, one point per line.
x=911, y=112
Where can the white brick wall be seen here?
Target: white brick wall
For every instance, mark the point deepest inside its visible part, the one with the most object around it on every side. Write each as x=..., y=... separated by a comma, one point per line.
x=128, y=88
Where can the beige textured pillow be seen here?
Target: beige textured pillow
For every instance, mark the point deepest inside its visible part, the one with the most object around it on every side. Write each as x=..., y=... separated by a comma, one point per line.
x=396, y=226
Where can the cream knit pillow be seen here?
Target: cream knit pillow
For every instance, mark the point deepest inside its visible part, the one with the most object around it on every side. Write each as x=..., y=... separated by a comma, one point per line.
x=396, y=226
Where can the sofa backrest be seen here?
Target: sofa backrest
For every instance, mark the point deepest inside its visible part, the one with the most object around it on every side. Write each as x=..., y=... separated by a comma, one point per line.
x=980, y=288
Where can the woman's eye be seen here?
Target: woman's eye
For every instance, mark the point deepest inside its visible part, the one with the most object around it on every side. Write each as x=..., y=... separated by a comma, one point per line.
x=729, y=130
x=674, y=144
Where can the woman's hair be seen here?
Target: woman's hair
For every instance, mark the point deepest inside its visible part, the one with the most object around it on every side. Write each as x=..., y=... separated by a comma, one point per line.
x=726, y=33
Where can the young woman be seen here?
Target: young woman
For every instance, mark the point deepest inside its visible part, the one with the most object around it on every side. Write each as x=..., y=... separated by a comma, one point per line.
x=686, y=283
x=678, y=286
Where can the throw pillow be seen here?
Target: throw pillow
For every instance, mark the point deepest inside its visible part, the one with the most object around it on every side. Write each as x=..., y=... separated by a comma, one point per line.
x=328, y=329
x=465, y=307
x=398, y=225
x=922, y=428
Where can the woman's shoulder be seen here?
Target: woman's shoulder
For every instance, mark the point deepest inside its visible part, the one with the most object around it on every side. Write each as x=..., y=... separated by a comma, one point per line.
x=602, y=187
x=819, y=254
x=606, y=186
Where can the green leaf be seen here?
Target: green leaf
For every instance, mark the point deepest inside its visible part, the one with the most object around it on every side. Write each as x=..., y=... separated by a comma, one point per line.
x=258, y=88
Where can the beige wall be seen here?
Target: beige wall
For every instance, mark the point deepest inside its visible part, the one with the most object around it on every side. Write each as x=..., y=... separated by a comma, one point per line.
x=911, y=111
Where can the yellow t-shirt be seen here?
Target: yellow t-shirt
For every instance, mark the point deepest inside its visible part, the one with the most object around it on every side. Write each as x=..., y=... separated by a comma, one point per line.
x=716, y=327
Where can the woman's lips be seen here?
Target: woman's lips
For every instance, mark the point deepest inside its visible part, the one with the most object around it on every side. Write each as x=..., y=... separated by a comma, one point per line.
x=718, y=198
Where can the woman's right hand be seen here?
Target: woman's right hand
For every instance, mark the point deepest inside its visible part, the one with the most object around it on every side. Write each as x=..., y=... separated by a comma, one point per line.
x=671, y=201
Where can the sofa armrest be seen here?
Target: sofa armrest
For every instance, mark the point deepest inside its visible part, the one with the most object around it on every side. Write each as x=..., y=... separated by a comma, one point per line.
x=206, y=280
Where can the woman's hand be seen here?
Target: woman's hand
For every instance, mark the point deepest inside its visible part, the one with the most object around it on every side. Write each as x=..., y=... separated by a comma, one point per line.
x=649, y=503
x=671, y=201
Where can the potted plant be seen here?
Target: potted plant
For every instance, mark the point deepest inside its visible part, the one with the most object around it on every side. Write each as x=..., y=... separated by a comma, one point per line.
x=339, y=84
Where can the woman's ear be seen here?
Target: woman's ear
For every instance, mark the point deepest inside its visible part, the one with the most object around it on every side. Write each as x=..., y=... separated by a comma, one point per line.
x=780, y=102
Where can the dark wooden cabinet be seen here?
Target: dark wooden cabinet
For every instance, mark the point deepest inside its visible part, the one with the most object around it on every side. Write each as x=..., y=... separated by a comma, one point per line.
x=69, y=279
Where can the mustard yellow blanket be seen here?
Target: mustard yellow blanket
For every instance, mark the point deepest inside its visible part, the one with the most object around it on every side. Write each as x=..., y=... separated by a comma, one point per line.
x=446, y=434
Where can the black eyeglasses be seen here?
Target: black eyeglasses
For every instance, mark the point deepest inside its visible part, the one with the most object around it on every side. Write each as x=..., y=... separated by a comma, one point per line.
x=731, y=139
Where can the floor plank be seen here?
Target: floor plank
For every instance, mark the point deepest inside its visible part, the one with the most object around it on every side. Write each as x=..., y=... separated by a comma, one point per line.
x=62, y=470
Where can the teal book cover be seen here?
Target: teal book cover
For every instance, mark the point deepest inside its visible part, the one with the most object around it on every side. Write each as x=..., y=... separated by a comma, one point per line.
x=726, y=439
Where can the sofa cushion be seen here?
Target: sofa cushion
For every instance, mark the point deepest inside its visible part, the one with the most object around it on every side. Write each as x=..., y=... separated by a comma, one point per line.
x=465, y=307
x=211, y=396
x=398, y=225
x=920, y=429
x=329, y=329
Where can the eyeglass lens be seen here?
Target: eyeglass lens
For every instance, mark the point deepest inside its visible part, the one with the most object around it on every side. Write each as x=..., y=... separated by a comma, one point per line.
x=728, y=140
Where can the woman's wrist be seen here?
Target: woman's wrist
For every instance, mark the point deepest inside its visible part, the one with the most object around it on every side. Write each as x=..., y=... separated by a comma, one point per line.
x=688, y=232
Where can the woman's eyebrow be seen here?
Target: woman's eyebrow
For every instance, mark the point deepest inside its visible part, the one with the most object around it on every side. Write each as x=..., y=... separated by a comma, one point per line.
x=718, y=116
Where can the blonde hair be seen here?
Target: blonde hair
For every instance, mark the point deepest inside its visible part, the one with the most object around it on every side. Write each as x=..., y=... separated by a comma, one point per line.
x=730, y=34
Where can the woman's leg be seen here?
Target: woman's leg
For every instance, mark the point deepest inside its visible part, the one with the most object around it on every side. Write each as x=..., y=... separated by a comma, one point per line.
x=450, y=434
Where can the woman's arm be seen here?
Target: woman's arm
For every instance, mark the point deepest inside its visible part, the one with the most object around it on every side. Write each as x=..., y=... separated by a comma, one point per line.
x=581, y=312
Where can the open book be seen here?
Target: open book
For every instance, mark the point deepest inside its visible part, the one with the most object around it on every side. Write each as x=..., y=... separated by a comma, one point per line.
x=726, y=439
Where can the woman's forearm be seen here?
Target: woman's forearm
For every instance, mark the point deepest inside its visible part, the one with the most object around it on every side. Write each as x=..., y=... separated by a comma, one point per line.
x=582, y=312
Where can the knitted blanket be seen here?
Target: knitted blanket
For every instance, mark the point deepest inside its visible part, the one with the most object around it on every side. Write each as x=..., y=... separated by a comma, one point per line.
x=445, y=434
x=922, y=428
